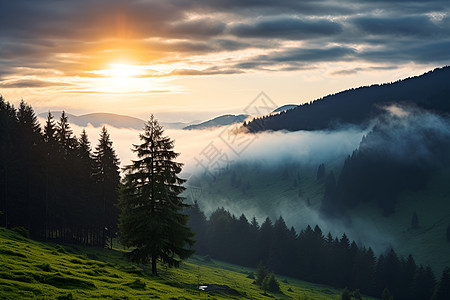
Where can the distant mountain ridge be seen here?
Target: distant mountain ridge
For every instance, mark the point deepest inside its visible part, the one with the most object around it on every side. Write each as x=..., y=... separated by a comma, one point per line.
x=218, y=121
x=357, y=106
x=115, y=120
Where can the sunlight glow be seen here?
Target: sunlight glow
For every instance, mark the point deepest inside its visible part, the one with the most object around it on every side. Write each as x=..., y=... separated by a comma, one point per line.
x=120, y=71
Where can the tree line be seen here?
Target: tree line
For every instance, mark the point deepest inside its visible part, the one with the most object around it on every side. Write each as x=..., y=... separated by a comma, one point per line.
x=52, y=182
x=311, y=255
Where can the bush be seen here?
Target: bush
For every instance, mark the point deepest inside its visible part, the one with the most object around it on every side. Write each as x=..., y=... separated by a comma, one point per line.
x=271, y=284
x=261, y=274
x=345, y=295
x=45, y=267
x=137, y=284
x=22, y=231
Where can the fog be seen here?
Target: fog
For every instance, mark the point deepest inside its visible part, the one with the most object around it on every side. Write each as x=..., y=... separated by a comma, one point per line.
x=405, y=135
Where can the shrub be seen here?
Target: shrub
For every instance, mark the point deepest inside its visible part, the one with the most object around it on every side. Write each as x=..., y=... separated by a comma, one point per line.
x=345, y=295
x=271, y=284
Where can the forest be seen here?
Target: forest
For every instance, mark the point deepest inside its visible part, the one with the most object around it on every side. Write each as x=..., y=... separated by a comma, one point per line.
x=312, y=255
x=52, y=183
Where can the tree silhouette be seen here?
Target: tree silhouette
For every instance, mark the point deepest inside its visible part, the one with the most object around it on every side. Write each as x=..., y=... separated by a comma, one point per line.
x=442, y=290
x=151, y=220
x=414, y=221
x=106, y=173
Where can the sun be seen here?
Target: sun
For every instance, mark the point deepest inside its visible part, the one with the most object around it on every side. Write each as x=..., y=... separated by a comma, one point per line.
x=119, y=77
x=122, y=71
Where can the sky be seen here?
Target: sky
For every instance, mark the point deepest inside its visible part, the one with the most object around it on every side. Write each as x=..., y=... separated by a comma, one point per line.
x=187, y=60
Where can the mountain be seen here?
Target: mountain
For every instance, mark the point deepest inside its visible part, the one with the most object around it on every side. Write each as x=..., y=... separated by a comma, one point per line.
x=218, y=121
x=100, y=119
x=285, y=107
x=357, y=106
x=115, y=120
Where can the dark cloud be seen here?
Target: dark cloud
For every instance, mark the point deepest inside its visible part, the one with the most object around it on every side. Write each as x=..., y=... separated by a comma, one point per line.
x=283, y=35
x=31, y=83
x=410, y=26
x=312, y=55
x=438, y=52
x=347, y=71
x=196, y=28
x=287, y=28
x=207, y=71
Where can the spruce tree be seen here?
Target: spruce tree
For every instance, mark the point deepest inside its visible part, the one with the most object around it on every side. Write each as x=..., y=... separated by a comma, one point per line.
x=107, y=176
x=151, y=220
x=51, y=147
x=414, y=221
x=30, y=166
x=442, y=290
x=85, y=187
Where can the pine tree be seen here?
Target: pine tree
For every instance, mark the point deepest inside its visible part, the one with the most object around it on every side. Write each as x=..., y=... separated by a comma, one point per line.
x=345, y=295
x=65, y=135
x=414, y=221
x=85, y=187
x=51, y=147
x=151, y=220
x=261, y=273
x=270, y=284
x=107, y=176
x=442, y=290
x=30, y=166
x=8, y=158
x=320, y=173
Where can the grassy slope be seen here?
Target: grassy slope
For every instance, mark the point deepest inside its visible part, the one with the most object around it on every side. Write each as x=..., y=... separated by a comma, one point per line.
x=30, y=269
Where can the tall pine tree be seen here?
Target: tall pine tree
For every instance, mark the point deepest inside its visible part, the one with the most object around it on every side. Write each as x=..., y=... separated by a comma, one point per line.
x=107, y=176
x=151, y=220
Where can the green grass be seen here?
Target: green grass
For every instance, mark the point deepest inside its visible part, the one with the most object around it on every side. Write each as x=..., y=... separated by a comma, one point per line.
x=34, y=270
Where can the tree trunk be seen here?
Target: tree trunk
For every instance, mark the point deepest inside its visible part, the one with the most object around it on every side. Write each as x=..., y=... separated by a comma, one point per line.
x=154, y=272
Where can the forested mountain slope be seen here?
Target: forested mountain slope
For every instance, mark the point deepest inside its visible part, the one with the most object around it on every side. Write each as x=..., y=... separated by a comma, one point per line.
x=356, y=106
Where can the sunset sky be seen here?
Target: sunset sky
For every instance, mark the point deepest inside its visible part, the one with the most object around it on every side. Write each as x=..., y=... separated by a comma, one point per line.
x=186, y=60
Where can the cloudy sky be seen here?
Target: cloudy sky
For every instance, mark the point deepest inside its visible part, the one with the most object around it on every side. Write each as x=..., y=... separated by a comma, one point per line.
x=186, y=59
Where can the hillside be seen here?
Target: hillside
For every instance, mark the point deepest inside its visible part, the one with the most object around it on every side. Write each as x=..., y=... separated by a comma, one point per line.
x=30, y=269
x=357, y=106
x=218, y=121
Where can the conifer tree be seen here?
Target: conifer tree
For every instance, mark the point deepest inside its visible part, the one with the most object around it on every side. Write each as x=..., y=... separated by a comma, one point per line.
x=414, y=221
x=151, y=220
x=30, y=165
x=107, y=176
x=50, y=152
x=442, y=290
